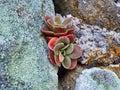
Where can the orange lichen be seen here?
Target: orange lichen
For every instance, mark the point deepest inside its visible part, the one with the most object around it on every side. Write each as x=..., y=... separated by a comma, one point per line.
x=114, y=69
x=107, y=58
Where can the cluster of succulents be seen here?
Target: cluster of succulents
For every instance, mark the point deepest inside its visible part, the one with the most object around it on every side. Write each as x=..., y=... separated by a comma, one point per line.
x=63, y=51
x=59, y=34
x=57, y=26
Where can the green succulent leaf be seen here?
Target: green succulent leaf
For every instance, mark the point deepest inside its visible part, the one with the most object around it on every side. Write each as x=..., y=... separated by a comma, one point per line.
x=77, y=52
x=65, y=47
x=66, y=62
x=57, y=48
x=63, y=39
x=69, y=50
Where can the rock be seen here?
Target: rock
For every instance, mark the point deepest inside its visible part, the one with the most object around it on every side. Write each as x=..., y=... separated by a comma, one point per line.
x=114, y=68
x=24, y=64
x=104, y=13
x=67, y=82
x=97, y=79
x=96, y=44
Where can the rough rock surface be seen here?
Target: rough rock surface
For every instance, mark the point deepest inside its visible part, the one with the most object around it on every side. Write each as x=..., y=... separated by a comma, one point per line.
x=67, y=82
x=24, y=64
x=104, y=13
x=97, y=79
x=82, y=30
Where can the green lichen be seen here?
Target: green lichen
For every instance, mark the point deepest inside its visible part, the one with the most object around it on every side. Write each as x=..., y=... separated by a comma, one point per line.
x=22, y=51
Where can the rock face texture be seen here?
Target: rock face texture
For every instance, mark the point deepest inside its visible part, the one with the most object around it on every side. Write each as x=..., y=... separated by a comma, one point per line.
x=104, y=13
x=97, y=79
x=24, y=64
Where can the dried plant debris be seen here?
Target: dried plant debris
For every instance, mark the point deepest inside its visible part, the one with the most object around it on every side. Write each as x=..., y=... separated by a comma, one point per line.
x=99, y=45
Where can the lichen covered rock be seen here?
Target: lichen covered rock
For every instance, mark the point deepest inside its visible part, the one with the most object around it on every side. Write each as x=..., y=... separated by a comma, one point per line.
x=24, y=64
x=97, y=79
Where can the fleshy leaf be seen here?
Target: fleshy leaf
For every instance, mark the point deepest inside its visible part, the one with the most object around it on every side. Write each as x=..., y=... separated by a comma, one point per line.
x=51, y=43
x=66, y=62
x=61, y=57
x=67, y=21
x=57, y=19
x=63, y=39
x=57, y=60
x=50, y=24
x=46, y=18
x=51, y=57
x=47, y=32
x=71, y=30
x=60, y=29
x=77, y=52
x=73, y=64
x=71, y=37
x=57, y=48
x=69, y=50
x=65, y=47
x=60, y=34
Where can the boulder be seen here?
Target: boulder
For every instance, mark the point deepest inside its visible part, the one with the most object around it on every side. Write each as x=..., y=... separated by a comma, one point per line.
x=24, y=64
x=97, y=79
x=104, y=13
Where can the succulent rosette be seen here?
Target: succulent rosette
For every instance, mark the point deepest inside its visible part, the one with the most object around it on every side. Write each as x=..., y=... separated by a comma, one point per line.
x=64, y=52
x=57, y=26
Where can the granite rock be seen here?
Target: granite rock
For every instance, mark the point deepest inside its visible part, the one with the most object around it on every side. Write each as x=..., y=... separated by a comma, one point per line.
x=24, y=64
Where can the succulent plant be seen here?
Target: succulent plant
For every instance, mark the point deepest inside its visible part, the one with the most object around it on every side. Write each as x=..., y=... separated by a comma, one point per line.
x=64, y=52
x=57, y=26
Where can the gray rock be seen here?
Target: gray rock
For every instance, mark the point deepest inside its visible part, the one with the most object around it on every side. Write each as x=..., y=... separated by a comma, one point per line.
x=24, y=64
x=97, y=79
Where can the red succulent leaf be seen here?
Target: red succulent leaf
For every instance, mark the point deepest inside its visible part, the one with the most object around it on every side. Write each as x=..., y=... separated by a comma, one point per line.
x=71, y=37
x=51, y=43
x=47, y=32
x=51, y=57
x=60, y=34
x=77, y=52
x=46, y=18
x=60, y=29
x=73, y=64
x=67, y=21
x=71, y=30
x=57, y=60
